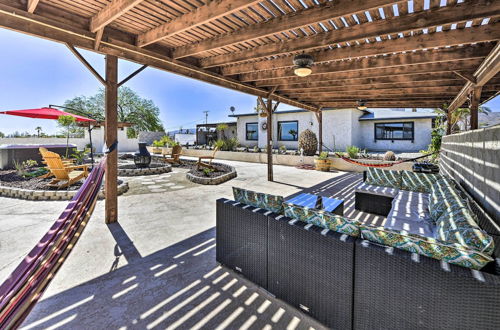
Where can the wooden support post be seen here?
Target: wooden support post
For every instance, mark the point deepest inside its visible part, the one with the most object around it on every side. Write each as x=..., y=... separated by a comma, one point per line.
x=111, y=212
x=319, y=117
x=269, y=109
x=448, y=121
x=474, y=107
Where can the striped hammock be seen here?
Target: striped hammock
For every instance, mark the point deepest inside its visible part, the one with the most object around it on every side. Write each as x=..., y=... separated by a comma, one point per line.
x=24, y=287
x=352, y=161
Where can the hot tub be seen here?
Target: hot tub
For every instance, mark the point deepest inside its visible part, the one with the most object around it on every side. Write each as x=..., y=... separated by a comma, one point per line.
x=21, y=152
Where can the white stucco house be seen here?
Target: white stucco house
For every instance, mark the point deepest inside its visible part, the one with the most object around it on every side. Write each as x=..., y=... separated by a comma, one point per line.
x=374, y=130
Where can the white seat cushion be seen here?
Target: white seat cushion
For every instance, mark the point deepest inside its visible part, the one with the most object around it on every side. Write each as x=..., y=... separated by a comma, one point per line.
x=410, y=212
x=377, y=190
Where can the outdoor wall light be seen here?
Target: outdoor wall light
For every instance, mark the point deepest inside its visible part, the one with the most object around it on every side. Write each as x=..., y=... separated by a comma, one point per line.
x=362, y=105
x=303, y=63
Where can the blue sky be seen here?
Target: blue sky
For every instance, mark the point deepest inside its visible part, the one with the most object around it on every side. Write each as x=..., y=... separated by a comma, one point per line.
x=35, y=72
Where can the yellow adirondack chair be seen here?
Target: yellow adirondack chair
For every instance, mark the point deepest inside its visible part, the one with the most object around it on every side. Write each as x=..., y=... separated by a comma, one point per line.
x=64, y=173
x=208, y=164
x=43, y=151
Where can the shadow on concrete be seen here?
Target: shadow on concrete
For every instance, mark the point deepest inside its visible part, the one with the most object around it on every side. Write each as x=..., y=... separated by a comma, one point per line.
x=178, y=287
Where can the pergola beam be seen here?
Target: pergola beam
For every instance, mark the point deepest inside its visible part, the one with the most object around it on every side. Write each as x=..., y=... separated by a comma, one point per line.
x=31, y=6
x=417, y=42
x=85, y=63
x=202, y=15
x=302, y=18
x=426, y=87
x=439, y=77
x=111, y=12
x=390, y=61
x=384, y=104
x=375, y=72
x=486, y=70
x=459, y=13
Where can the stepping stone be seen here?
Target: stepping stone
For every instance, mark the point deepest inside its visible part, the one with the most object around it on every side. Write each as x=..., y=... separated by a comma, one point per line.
x=147, y=183
x=156, y=190
x=176, y=187
x=168, y=184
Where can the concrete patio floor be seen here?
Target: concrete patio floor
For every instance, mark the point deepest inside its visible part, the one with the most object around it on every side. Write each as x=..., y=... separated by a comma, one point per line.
x=156, y=268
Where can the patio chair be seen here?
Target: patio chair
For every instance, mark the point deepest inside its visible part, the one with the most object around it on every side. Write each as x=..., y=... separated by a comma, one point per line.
x=43, y=151
x=173, y=157
x=63, y=172
x=200, y=163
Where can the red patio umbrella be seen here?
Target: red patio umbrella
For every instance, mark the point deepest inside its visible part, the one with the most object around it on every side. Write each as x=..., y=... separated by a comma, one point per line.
x=51, y=113
x=44, y=113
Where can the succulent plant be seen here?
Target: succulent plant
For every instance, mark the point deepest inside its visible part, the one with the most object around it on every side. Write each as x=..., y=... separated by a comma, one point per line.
x=389, y=155
x=308, y=142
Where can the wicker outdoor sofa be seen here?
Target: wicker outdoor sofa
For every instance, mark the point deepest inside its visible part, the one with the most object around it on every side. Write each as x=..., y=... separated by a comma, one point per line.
x=339, y=271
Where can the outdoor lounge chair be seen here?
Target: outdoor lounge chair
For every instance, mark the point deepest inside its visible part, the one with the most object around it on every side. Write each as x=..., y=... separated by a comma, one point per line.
x=43, y=151
x=64, y=173
x=173, y=157
x=208, y=164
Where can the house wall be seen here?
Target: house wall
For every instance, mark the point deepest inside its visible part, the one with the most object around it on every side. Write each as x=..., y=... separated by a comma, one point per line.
x=422, y=136
x=473, y=160
x=341, y=128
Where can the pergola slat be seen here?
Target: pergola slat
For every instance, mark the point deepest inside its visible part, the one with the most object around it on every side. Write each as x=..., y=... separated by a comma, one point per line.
x=376, y=72
x=300, y=19
x=391, y=61
x=111, y=12
x=425, y=41
x=458, y=13
x=215, y=9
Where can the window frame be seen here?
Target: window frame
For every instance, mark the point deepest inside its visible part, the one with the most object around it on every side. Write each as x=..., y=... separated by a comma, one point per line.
x=256, y=132
x=395, y=139
x=279, y=131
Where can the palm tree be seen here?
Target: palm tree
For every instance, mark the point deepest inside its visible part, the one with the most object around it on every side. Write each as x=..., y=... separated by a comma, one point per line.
x=293, y=133
x=460, y=118
x=38, y=130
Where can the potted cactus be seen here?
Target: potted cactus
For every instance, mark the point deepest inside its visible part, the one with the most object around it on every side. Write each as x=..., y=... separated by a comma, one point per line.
x=322, y=162
x=308, y=142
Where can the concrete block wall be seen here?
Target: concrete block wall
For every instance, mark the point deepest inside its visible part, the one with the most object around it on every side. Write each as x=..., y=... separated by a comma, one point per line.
x=473, y=159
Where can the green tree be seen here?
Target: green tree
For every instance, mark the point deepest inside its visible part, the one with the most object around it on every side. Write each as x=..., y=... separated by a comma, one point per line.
x=38, y=130
x=2, y=135
x=67, y=123
x=142, y=113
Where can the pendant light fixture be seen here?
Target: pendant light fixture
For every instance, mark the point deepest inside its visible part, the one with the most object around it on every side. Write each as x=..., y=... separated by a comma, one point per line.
x=303, y=63
x=362, y=105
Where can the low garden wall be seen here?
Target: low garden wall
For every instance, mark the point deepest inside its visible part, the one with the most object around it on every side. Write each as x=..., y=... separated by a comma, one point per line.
x=51, y=195
x=288, y=160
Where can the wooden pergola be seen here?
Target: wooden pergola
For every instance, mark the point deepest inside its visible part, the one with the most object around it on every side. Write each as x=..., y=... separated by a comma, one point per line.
x=389, y=53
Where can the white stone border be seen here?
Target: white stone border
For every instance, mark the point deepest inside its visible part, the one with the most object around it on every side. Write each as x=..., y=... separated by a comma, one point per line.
x=144, y=171
x=50, y=195
x=214, y=180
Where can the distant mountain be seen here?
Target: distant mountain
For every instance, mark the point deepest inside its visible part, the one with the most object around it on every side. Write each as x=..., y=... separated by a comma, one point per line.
x=184, y=131
x=492, y=118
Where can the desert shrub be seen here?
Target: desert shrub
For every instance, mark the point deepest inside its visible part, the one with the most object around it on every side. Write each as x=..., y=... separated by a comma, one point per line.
x=389, y=156
x=323, y=155
x=352, y=151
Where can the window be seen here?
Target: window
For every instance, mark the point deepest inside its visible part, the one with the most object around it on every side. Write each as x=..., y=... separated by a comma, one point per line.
x=394, y=131
x=252, y=132
x=288, y=130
